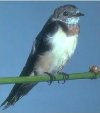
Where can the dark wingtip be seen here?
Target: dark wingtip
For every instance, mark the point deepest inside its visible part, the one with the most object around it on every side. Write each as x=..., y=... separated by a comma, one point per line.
x=2, y=103
x=6, y=106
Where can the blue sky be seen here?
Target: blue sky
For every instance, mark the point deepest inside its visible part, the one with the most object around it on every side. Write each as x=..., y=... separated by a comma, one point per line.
x=20, y=22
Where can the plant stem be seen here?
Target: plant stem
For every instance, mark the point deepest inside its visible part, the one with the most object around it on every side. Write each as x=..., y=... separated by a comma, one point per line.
x=45, y=78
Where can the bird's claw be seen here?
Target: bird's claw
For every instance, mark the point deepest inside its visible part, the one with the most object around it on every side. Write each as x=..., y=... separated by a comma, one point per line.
x=52, y=77
x=65, y=77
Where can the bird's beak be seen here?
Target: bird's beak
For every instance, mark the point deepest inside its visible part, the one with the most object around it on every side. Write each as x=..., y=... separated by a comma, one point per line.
x=79, y=14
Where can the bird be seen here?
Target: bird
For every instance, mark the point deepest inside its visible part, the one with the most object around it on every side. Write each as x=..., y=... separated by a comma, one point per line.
x=52, y=49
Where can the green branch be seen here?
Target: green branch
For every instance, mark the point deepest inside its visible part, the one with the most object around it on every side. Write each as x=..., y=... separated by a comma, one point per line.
x=45, y=78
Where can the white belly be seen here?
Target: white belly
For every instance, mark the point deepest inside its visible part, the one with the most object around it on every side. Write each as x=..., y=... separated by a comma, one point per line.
x=63, y=48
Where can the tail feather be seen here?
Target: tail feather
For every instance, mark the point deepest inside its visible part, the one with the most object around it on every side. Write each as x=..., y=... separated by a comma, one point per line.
x=18, y=91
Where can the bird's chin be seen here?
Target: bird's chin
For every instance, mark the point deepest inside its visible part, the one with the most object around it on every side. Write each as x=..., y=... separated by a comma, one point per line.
x=73, y=20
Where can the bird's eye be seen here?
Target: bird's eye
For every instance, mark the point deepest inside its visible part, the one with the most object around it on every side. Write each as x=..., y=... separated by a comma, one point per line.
x=65, y=13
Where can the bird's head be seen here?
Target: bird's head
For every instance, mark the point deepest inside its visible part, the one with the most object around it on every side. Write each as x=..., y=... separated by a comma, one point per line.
x=68, y=13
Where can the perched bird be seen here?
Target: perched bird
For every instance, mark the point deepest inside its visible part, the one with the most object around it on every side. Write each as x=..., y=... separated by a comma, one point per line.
x=52, y=49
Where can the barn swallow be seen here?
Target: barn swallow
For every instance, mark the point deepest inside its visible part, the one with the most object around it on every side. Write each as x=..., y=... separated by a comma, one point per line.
x=52, y=49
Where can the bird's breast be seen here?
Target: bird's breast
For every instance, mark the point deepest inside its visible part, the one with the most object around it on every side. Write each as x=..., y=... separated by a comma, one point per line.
x=63, y=47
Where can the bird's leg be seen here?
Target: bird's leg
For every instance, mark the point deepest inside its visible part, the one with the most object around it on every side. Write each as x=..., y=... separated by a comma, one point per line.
x=52, y=77
x=65, y=77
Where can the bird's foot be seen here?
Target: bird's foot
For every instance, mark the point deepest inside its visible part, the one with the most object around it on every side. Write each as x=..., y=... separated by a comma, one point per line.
x=65, y=77
x=52, y=77
x=94, y=69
